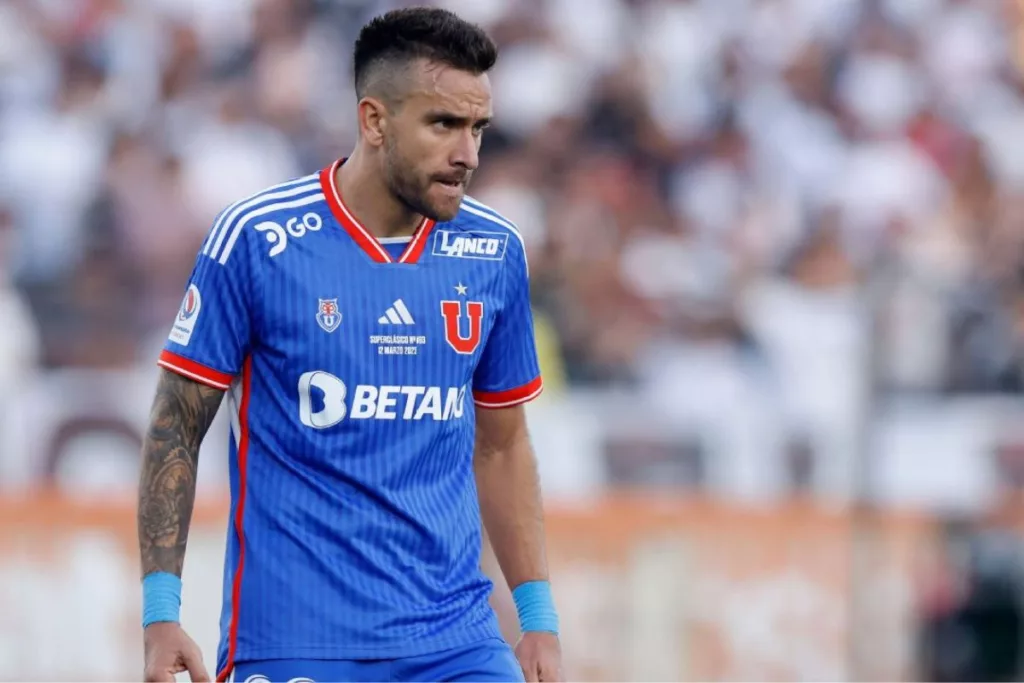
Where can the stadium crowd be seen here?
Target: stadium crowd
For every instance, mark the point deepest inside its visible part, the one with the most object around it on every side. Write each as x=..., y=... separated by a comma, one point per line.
x=760, y=208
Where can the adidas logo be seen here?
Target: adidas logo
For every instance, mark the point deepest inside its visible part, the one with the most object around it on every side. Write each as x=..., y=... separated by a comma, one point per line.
x=397, y=314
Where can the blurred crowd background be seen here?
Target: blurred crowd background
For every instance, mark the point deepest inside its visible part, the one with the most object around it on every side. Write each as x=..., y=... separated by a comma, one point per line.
x=776, y=251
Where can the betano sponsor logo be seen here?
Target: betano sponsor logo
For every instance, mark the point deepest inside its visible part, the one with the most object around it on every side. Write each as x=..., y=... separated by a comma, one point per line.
x=324, y=401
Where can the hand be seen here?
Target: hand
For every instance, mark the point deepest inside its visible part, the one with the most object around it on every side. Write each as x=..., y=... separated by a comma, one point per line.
x=170, y=651
x=540, y=656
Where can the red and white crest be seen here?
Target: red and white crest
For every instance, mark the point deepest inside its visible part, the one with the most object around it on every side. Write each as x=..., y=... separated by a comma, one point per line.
x=328, y=315
x=452, y=312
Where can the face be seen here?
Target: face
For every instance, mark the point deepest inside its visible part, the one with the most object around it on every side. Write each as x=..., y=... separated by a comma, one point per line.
x=431, y=144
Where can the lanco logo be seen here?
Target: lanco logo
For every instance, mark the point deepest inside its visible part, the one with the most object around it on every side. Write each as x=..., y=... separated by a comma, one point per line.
x=489, y=246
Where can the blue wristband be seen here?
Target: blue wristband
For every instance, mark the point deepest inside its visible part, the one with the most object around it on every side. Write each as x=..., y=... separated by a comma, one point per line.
x=536, y=607
x=161, y=598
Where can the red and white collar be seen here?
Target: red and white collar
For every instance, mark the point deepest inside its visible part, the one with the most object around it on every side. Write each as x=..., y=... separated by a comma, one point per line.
x=363, y=237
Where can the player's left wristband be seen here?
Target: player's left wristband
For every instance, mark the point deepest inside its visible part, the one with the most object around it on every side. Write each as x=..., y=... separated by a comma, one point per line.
x=161, y=598
x=536, y=607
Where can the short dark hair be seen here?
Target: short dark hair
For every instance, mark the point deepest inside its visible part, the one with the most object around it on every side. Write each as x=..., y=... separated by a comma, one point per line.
x=394, y=39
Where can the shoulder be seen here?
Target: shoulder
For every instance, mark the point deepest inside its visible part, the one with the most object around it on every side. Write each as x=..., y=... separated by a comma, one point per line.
x=474, y=215
x=269, y=210
x=477, y=218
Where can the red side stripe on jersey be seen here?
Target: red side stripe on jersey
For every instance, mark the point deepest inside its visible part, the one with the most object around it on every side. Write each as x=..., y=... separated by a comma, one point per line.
x=243, y=456
x=363, y=237
x=511, y=397
x=193, y=370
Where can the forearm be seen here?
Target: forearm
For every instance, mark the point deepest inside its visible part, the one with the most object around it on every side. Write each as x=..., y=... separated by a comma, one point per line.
x=181, y=414
x=511, y=508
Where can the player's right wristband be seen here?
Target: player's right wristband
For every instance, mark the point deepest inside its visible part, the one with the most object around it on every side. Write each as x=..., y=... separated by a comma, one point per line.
x=536, y=607
x=161, y=598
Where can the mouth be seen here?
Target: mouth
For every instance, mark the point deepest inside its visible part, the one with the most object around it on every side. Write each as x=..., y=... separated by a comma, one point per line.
x=452, y=182
x=451, y=189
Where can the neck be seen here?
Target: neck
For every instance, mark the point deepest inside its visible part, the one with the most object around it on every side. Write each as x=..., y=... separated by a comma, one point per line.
x=368, y=198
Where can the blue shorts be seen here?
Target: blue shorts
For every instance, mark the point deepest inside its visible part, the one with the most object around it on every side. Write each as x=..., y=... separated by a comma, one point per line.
x=488, y=660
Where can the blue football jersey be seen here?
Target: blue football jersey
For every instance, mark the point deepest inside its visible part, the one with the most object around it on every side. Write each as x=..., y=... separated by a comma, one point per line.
x=353, y=371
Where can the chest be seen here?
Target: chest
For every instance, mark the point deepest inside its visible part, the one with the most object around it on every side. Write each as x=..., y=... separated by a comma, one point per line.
x=330, y=308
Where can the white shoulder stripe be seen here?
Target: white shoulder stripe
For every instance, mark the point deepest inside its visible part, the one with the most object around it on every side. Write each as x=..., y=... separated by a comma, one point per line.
x=224, y=214
x=479, y=204
x=261, y=211
x=223, y=218
x=492, y=213
x=491, y=217
x=216, y=237
x=229, y=222
x=466, y=206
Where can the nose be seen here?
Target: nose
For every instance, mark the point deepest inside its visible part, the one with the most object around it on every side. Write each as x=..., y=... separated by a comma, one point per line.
x=467, y=150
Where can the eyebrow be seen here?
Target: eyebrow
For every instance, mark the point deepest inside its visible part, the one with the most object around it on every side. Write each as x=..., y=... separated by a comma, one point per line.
x=440, y=115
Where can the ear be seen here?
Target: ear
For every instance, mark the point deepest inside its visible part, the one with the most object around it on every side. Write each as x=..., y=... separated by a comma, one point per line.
x=373, y=121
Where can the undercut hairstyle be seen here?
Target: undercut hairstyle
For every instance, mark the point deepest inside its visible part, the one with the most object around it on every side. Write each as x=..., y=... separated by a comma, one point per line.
x=391, y=42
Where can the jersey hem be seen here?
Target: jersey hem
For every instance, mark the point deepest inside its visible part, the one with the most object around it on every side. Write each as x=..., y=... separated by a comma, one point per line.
x=510, y=397
x=403, y=650
x=186, y=367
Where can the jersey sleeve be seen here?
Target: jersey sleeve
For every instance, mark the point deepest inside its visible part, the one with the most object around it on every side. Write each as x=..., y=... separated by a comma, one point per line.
x=509, y=373
x=212, y=331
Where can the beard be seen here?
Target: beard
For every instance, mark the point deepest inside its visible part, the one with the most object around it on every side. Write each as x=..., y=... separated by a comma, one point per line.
x=413, y=189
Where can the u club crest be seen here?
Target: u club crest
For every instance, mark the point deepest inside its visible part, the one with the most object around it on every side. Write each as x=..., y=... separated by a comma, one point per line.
x=328, y=316
x=452, y=311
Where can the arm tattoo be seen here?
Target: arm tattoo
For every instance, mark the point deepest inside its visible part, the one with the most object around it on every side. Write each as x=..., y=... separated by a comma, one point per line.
x=182, y=413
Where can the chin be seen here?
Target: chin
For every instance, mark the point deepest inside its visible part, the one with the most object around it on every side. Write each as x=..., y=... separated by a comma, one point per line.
x=444, y=209
x=446, y=214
